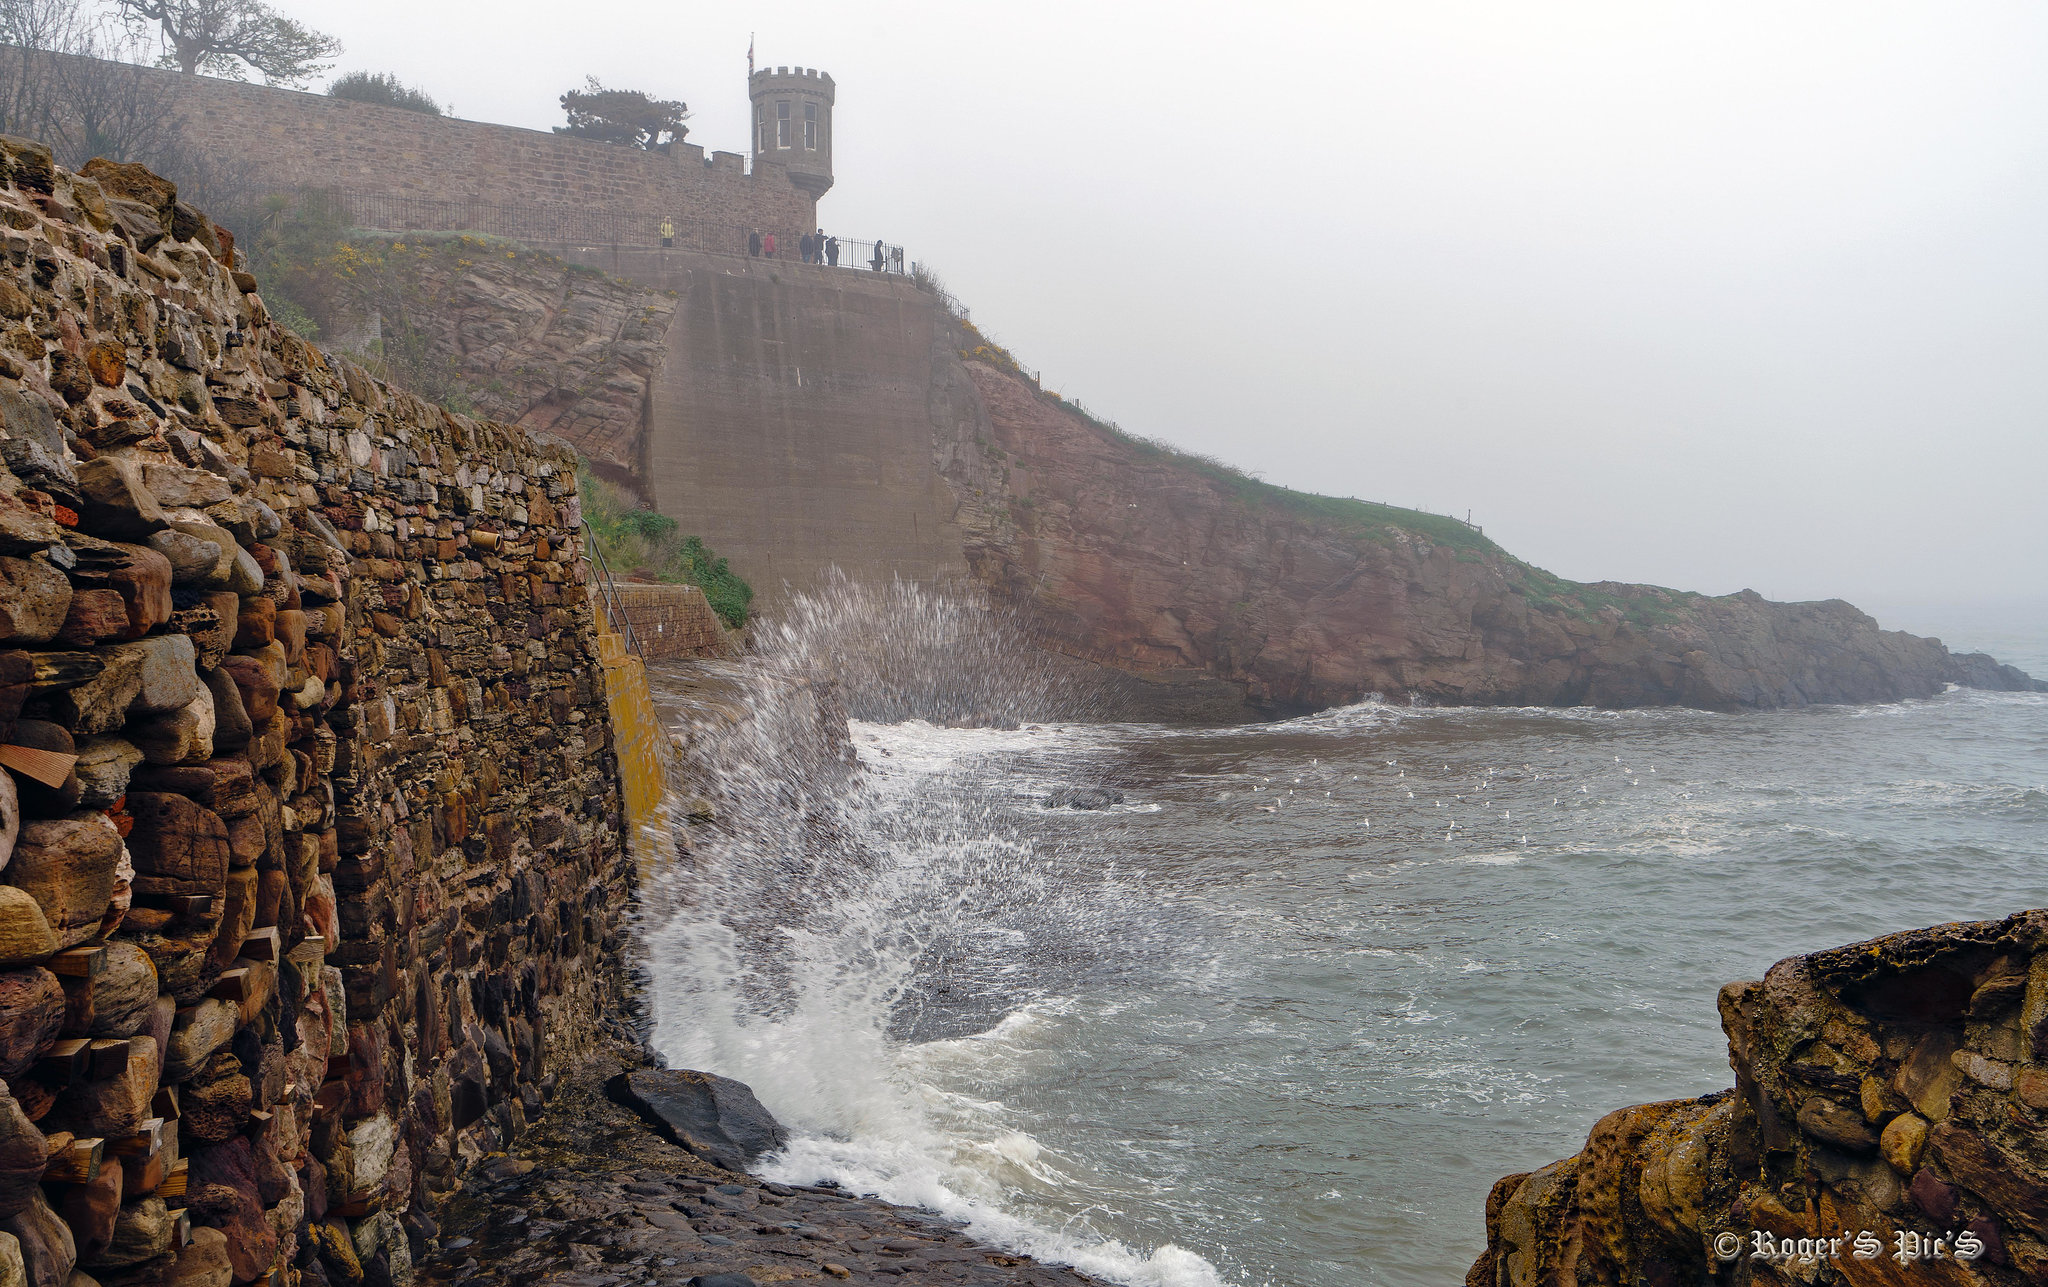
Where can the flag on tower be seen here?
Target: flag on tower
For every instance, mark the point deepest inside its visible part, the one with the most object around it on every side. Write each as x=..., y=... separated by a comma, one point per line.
x=750, y=55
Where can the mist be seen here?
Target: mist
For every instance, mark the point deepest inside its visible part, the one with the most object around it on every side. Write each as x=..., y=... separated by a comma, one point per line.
x=1712, y=297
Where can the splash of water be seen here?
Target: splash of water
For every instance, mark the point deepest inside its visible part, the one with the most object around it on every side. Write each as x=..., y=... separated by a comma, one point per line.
x=858, y=935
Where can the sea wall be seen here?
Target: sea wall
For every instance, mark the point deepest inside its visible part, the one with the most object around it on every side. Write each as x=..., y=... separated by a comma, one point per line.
x=1897, y=1087
x=672, y=622
x=335, y=880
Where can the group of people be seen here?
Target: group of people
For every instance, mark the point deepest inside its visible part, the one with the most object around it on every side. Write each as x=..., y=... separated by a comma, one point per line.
x=817, y=248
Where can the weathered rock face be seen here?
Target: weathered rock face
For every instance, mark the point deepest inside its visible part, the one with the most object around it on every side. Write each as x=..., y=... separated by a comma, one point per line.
x=1145, y=561
x=542, y=344
x=1898, y=1087
x=310, y=835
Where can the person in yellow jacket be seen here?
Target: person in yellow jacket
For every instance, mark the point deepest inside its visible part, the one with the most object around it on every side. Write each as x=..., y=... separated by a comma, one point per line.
x=668, y=233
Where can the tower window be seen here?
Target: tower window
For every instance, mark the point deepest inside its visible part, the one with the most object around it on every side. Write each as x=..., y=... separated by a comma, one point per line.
x=760, y=128
x=811, y=127
x=782, y=123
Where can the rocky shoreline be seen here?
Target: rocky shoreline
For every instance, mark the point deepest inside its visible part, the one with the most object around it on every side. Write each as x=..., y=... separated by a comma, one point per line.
x=592, y=1196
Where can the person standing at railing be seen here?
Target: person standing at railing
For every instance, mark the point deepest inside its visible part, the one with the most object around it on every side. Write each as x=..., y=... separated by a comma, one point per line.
x=877, y=261
x=831, y=249
x=754, y=244
x=805, y=247
x=768, y=246
x=668, y=233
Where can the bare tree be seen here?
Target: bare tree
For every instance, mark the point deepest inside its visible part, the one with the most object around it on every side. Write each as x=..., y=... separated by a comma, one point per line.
x=222, y=37
x=29, y=92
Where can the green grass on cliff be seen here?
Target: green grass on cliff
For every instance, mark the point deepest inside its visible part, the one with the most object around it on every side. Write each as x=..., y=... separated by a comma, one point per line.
x=1642, y=606
x=640, y=544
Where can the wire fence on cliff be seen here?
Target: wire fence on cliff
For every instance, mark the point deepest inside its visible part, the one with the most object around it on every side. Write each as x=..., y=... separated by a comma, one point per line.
x=593, y=228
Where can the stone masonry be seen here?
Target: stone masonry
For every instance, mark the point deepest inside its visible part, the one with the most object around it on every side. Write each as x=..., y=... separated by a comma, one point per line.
x=311, y=856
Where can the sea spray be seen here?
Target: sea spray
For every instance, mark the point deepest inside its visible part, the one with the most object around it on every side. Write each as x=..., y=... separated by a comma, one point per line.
x=860, y=922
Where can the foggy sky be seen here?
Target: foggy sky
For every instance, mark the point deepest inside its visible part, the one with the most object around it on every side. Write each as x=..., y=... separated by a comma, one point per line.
x=1711, y=296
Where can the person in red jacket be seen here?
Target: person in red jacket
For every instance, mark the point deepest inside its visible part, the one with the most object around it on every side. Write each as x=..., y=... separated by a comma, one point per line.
x=768, y=245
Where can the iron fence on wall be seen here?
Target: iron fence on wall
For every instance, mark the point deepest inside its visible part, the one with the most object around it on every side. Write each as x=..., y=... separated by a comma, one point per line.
x=548, y=224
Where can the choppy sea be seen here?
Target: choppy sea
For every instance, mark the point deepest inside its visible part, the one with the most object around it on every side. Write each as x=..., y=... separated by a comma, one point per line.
x=1281, y=1016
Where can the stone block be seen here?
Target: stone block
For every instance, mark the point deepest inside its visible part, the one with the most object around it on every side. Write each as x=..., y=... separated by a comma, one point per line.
x=185, y=736
x=68, y=865
x=94, y=616
x=215, y=1102
x=179, y=847
x=257, y=689
x=48, y=1252
x=232, y=727
x=90, y=1210
x=194, y=560
x=125, y=991
x=117, y=503
x=23, y=1154
x=140, y=575
x=148, y=677
x=202, y=1030
x=31, y=1012
x=204, y=1262
x=114, y=1107
x=25, y=937
x=142, y=1232
x=34, y=599
x=105, y=763
x=256, y=624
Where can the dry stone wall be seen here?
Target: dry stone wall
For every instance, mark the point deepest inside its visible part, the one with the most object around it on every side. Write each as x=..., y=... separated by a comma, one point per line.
x=311, y=867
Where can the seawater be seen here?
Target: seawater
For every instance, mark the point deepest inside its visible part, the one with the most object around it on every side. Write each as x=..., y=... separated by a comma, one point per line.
x=1282, y=1017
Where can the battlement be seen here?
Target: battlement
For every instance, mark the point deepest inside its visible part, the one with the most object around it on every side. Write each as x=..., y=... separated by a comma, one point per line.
x=785, y=73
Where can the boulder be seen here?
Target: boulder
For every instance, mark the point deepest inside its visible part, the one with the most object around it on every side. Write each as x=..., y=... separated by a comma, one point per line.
x=125, y=991
x=148, y=677
x=31, y=1013
x=238, y=917
x=179, y=847
x=25, y=936
x=204, y=1262
x=232, y=727
x=48, y=1252
x=13, y=1273
x=140, y=575
x=114, y=1107
x=68, y=865
x=23, y=1154
x=91, y=1210
x=117, y=503
x=214, y=1105
x=256, y=624
x=34, y=598
x=10, y=817
x=185, y=736
x=143, y=1231
x=183, y=487
x=194, y=560
x=202, y=1031
x=93, y=617
x=714, y=1117
x=257, y=689
x=224, y=1195
x=104, y=765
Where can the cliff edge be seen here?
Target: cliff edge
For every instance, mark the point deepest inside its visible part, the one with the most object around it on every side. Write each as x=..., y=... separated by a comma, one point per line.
x=1148, y=560
x=1897, y=1088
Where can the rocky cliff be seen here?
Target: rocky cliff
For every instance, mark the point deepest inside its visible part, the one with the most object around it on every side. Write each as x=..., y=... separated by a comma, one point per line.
x=1151, y=561
x=311, y=855
x=1896, y=1088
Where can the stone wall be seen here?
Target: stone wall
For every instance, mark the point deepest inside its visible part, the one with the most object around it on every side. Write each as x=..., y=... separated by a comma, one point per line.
x=1897, y=1088
x=280, y=138
x=673, y=622
x=335, y=878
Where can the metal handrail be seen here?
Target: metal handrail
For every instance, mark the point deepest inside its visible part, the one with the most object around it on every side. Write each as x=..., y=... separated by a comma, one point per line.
x=608, y=590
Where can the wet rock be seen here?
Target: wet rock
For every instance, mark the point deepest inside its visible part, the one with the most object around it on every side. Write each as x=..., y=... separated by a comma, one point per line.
x=714, y=1117
x=1084, y=798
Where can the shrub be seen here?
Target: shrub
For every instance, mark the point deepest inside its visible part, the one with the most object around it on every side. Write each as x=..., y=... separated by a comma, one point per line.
x=384, y=88
x=648, y=545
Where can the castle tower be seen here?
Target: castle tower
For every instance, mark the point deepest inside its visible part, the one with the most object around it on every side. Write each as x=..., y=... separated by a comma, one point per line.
x=793, y=124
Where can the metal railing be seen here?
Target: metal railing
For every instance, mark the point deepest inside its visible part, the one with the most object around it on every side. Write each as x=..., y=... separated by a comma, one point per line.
x=549, y=224
x=608, y=592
